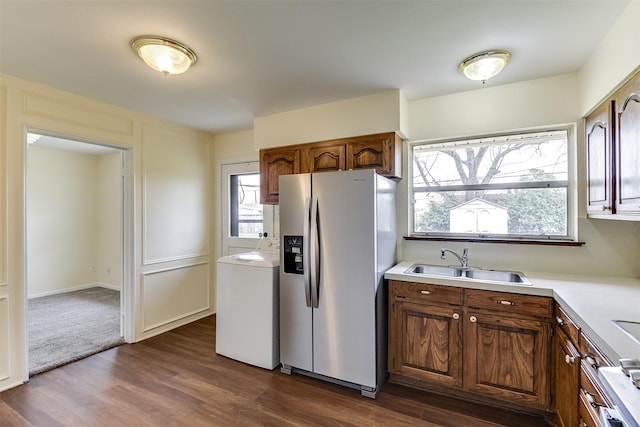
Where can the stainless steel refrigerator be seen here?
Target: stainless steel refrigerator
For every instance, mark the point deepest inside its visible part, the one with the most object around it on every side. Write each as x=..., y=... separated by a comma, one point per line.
x=337, y=237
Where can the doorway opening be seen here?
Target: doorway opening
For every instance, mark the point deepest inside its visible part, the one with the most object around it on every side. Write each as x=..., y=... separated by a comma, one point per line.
x=75, y=249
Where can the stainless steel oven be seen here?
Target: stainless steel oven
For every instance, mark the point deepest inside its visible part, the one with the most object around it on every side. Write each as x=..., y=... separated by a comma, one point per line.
x=621, y=383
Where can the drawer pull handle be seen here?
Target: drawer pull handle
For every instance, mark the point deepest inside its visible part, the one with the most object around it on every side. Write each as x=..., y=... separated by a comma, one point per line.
x=591, y=399
x=505, y=302
x=455, y=316
x=591, y=361
x=569, y=360
x=423, y=292
x=473, y=319
x=560, y=322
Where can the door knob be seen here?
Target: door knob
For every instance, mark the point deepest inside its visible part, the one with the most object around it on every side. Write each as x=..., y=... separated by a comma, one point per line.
x=473, y=319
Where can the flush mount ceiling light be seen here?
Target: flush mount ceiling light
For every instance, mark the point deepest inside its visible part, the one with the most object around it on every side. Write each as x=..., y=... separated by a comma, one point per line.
x=163, y=54
x=484, y=65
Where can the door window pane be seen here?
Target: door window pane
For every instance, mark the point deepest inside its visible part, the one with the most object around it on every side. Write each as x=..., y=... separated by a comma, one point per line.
x=246, y=216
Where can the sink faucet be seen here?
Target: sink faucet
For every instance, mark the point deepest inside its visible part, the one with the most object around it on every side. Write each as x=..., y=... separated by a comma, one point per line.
x=463, y=259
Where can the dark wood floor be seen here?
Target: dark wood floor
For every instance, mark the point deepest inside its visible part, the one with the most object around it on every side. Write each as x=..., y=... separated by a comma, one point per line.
x=176, y=379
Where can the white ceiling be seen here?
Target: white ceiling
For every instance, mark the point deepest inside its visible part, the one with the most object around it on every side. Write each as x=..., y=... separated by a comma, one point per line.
x=263, y=57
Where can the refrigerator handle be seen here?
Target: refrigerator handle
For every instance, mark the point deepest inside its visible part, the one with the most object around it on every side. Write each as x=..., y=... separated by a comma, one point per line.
x=305, y=251
x=314, y=245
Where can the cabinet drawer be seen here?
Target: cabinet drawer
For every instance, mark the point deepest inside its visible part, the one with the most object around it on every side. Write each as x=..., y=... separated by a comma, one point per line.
x=507, y=302
x=564, y=322
x=423, y=292
x=591, y=390
x=592, y=358
x=588, y=414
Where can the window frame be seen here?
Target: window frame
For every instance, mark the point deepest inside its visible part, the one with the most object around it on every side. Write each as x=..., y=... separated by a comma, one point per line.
x=570, y=184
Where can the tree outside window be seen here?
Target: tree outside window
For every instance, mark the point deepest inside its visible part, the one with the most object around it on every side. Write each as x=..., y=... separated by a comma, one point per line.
x=519, y=179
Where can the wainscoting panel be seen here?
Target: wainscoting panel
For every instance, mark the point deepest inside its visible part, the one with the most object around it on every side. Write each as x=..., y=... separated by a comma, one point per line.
x=83, y=115
x=4, y=337
x=172, y=294
x=175, y=195
x=3, y=189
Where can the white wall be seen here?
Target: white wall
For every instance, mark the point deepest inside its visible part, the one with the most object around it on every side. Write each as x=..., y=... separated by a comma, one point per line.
x=381, y=112
x=110, y=220
x=169, y=284
x=616, y=58
x=62, y=220
x=611, y=248
x=73, y=220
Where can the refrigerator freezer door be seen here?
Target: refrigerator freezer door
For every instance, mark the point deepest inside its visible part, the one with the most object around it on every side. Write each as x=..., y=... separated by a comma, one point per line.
x=296, y=341
x=344, y=324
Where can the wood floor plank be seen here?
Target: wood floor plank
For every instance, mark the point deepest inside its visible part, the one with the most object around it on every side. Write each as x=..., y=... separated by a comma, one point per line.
x=177, y=379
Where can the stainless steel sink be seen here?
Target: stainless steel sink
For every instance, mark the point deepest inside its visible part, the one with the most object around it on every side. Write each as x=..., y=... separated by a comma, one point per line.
x=477, y=274
x=631, y=328
x=498, y=276
x=434, y=270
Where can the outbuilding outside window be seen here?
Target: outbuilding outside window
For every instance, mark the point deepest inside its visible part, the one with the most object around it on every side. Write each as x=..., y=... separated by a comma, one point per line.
x=504, y=186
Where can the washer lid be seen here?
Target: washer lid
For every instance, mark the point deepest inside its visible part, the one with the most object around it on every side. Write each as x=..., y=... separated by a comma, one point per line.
x=253, y=258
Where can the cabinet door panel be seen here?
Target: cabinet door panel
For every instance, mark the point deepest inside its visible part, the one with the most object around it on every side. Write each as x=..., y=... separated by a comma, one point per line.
x=428, y=347
x=566, y=361
x=507, y=358
x=381, y=152
x=273, y=163
x=599, y=161
x=319, y=158
x=628, y=155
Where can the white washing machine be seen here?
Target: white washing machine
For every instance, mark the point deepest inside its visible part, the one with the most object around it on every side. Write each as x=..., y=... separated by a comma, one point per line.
x=247, y=315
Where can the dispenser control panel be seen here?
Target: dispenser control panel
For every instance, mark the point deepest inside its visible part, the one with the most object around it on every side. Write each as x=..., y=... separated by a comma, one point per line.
x=293, y=254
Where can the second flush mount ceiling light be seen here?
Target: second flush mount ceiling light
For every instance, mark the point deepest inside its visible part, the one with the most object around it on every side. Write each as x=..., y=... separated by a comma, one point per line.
x=163, y=54
x=484, y=65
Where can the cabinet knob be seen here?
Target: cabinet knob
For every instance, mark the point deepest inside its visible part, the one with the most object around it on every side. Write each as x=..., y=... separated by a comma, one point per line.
x=423, y=292
x=591, y=361
x=473, y=319
x=560, y=321
x=505, y=302
x=455, y=316
x=591, y=399
x=606, y=208
x=569, y=359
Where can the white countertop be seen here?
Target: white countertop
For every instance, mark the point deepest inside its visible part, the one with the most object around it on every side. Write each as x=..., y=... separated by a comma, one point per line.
x=592, y=302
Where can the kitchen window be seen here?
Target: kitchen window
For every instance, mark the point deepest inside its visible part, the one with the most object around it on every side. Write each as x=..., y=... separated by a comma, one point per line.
x=509, y=186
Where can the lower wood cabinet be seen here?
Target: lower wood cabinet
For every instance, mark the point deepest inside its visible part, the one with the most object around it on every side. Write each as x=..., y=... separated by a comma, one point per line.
x=492, y=345
x=578, y=394
x=427, y=345
x=507, y=358
x=566, y=379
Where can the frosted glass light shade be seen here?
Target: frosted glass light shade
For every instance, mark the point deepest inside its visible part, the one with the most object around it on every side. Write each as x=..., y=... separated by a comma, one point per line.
x=163, y=54
x=484, y=65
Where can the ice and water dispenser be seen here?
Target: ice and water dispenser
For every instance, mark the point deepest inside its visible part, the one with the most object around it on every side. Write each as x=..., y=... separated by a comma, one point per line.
x=293, y=254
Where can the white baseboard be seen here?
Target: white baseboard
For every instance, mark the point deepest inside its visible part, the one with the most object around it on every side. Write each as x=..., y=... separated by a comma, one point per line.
x=74, y=288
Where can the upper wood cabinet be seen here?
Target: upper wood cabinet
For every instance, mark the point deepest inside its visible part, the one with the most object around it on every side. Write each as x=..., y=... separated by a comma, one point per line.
x=598, y=134
x=612, y=134
x=627, y=148
x=273, y=163
x=382, y=152
x=323, y=157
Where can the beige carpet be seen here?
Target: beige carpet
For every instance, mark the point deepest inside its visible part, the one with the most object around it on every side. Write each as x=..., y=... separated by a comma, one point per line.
x=70, y=326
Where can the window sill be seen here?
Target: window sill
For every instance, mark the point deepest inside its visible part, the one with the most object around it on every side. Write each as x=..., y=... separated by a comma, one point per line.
x=547, y=242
